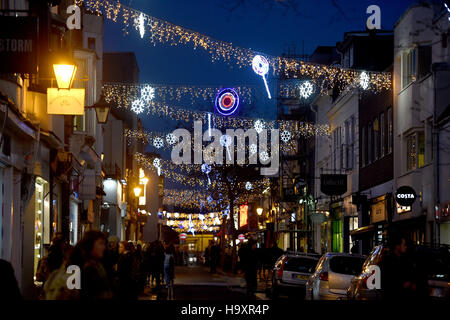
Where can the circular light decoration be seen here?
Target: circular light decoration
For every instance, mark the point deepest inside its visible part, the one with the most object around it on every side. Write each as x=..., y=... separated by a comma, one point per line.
x=227, y=102
x=248, y=185
x=260, y=65
x=259, y=126
x=364, y=80
x=206, y=168
x=171, y=139
x=253, y=149
x=147, y=93
x=285, y=136
x=157, y=162
x=210, y=199
x=306, y=89
x=264, y=156
x=158, y=142
x=137, y=106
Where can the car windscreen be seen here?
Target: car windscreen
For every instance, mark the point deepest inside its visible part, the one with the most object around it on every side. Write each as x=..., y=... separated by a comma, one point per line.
x=347, y=265
x=300, y=264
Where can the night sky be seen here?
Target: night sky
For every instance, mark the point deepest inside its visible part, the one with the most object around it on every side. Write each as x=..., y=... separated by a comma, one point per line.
x=252, y=26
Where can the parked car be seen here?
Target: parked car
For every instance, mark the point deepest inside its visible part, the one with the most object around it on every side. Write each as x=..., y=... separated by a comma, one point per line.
x=435, y=261
x=291, y=272
x=333, y=276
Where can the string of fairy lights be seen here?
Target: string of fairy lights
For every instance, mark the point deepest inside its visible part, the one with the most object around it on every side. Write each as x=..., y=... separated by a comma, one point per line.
x=161, y=31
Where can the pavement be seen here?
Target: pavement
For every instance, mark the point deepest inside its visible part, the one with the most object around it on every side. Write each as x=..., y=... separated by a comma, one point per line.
x=197, y=283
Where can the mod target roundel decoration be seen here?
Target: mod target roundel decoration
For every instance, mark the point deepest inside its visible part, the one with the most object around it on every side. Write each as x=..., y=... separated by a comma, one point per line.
x=227, y=102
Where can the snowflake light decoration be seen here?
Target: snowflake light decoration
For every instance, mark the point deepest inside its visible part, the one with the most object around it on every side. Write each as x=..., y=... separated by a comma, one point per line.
x=141, y=22
x=264, y=156
x=259, y=126
x=253, y=149
x=248, y=185
x=206, y=168
x=285, y=136
x=137, y=106
x=364, y=80
x=210, y=199
x=147, y=93
x=306, y=89
x=157, y=163
x=158, y=142
x=171, y=139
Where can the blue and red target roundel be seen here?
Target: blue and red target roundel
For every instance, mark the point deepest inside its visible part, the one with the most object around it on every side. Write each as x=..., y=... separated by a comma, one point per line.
x=227, y=102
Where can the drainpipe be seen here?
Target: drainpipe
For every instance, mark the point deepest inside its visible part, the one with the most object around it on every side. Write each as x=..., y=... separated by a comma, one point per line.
x=436, y=232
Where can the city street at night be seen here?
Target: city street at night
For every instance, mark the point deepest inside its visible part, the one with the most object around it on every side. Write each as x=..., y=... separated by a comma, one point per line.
x=225, y=158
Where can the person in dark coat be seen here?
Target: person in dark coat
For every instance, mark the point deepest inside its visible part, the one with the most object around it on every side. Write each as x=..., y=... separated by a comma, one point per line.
x=126, y=271
x=9, y=288
x=56, y=252
x=250, y=267
x=111, y=258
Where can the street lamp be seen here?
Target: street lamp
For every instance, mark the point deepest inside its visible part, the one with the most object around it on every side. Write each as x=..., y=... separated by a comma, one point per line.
x=259, y=211
x=64, y=73
x=101, y=109
x=137, y=191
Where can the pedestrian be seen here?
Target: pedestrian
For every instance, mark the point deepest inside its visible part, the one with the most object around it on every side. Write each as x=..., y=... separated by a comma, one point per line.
x=397, y=272
x=126, y=271
x=111, y=259
x=208, y=254
x=87, y=255
x=169, y=270
x=57, y=252
x=213, y=257
x=9, y=288
x=250, y=265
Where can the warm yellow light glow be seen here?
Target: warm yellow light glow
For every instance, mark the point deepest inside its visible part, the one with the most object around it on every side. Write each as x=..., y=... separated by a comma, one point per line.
x=144, y=180
x=259, y=211
x=137, y=191
x=64, y=73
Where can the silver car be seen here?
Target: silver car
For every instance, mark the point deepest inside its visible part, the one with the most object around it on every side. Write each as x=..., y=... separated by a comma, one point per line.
x=333, y=275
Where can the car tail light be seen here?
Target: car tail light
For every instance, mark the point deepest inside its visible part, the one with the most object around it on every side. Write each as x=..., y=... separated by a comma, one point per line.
x=323, y=276
x=281, y=269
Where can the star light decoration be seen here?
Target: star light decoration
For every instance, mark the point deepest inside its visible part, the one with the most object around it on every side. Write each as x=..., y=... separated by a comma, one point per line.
x=147, y=93
x=171, y=139
x=158, y=142
x=137, y=106
x=259, y=126
x=285, y=136
x=364, y=80
x=306, y=89
x=264, y=156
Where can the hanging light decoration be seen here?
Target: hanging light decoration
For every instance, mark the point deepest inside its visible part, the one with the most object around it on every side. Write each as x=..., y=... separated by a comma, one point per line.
x=285, y=136
x=364, y=80
x=171, y=139
x=306, y=89
x=137, y=106
x=259, y=126
x=264, y=156
x=158, y=142
x=147, y=93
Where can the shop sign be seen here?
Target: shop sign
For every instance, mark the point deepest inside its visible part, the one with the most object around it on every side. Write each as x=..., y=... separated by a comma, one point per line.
x=241, y=237
x=243, y=215
x=378, y=212
x=333, y=184
x=18, y=44
x=405, y=196
x=65, y=102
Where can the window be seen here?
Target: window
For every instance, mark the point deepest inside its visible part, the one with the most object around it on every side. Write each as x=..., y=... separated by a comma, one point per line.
x=382, y=135
x=390, y=131
x=415, y=148
x=352, y=141
x=347, y=265
x=376, y=129
x=91, y=43
x=369, y=143
x=303, y=265
x=408, y=67
x=352, y=225
x=363, y=147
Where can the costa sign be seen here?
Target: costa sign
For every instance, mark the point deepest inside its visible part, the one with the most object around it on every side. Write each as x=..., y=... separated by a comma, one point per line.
x=405, y=196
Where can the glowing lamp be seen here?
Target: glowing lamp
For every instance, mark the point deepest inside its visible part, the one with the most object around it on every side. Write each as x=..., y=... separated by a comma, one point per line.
x=144, y=180
x=64, y=73
x=259, y=211
x=137, y=191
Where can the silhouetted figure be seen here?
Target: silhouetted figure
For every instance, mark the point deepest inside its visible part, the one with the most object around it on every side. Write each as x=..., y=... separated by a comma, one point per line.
x=9, y=290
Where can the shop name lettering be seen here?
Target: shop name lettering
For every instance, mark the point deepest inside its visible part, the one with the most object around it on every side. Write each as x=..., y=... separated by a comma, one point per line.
x=405, y=196
x=16, y=45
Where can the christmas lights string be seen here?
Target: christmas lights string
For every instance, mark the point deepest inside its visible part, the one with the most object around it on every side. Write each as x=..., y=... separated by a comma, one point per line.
x=162, y=31
x=124, y=94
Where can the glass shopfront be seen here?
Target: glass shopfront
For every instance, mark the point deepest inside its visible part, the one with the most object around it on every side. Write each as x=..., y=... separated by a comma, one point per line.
x=41, y=219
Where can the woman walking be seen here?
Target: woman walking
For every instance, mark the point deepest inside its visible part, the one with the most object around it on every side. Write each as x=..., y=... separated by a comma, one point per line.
x=169, y=270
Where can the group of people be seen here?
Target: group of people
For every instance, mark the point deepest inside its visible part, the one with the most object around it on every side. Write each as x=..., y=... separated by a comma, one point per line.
x=109, y=269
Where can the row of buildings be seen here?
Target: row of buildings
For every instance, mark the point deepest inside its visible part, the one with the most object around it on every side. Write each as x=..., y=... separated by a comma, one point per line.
x=378, y=143
x=61, y=172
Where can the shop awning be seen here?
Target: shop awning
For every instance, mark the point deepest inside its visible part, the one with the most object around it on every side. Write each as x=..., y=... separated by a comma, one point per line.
x=363, y=231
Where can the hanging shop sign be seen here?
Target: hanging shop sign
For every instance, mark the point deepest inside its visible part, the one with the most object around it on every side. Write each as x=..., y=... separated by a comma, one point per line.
x=378, y=212
x=405, y=196
x=243, y=215
x=18, y=44
x=183, y=236
x=241, y=237
x=333, y=184
x=66, y=102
